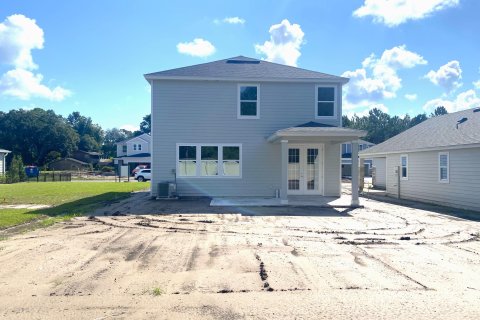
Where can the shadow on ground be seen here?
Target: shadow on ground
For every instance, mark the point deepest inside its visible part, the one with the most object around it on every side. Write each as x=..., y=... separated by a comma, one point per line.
x=141, y=204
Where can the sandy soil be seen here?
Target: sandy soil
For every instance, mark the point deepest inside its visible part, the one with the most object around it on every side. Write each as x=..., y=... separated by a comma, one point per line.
x=267, y=263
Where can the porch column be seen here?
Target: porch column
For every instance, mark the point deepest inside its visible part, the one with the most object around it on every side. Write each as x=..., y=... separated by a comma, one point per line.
x=284, y=155
x=355, y=201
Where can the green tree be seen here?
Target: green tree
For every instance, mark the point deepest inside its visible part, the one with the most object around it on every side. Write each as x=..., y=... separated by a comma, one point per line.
x=16, y=172
x=112, y=136
x=439, y=111
x=418, y=119
x=32, y=134
x=146, y=124
x=91, y=134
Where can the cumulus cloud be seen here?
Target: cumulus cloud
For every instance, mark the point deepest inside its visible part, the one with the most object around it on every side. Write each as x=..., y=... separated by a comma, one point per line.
x=378, y=78
x=464, y=100
x=476, y=84
x=24, y=84
x=284, y=45
x=411, y=96
x=365, y=112
x=20, y=35
x=197, y=48
x=395, y=12
x=447, y=76
x=230, y=20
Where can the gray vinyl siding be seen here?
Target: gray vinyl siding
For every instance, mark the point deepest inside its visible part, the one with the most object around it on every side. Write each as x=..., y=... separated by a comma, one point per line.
x=423, y=182
x=380, y=173
x=206, y=112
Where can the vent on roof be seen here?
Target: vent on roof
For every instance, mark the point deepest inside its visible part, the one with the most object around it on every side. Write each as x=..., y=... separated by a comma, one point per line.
x=243, y=61
x=461, y=121
x=476, y=110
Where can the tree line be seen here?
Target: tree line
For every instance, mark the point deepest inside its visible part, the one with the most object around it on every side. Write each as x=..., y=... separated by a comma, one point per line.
x=380, y=126
x=40, y=136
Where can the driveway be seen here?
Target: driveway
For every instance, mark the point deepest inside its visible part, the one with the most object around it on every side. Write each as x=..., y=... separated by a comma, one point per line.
x=383, y=261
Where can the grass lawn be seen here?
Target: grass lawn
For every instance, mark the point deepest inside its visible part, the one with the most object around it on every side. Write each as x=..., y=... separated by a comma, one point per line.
x=67, y=198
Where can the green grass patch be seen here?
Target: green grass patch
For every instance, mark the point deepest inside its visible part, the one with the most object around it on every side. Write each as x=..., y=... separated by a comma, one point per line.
x=12, y=217
x=55, y=193
x=69, y=199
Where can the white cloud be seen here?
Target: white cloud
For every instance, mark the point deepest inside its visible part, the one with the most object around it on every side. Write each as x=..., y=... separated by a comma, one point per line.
x=447, y=76
x=383, y=82
x=395, y=12
x=230, y=20
x=411, y=96
x=24, y=84
x=365, y=112
x=476, y=84
x=284, y=45
x=197, y=48
x=464, y=100
x=19, y=35
x=130, y=127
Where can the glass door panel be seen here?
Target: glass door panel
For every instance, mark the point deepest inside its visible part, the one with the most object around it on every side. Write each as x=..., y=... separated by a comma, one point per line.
x=312, y=169
x=294, y=169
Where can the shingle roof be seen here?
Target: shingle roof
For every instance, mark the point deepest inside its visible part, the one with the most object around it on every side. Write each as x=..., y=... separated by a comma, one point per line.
x=144, y=136
x=434, y=133
x=244, y=68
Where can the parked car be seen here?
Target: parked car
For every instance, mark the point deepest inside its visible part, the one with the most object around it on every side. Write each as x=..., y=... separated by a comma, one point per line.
x=140, y=167
x=143, y=175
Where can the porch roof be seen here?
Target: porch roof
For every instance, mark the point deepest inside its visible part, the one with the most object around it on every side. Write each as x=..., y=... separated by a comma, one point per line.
x=317, y=133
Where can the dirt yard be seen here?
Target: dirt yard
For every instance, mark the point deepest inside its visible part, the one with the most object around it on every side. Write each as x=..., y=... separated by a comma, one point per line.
x=382, y=262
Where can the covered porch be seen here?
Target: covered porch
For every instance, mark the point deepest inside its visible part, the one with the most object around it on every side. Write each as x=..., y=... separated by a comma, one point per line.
x=311, y=164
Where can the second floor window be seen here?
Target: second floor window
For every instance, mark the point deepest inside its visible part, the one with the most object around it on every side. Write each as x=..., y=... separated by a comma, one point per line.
x=139, y=147
x=124, y=148
x=248, y=103
x=135, y=147
x=325, y=104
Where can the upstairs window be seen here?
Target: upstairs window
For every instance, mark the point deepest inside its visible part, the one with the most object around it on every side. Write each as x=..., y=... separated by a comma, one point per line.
x=139, y=147
x=404, y=167
x=325, y=102
x=248, y=102
x=124, y=148
x=443, y=167
x=135, y=147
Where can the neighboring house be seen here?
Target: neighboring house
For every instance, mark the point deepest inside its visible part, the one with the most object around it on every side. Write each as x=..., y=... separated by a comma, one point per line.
x=87, y=156
x=347, y=158
x=134, y=151
x=243, y=127
x=436, y=161
x=3, y=161
x=68, y=164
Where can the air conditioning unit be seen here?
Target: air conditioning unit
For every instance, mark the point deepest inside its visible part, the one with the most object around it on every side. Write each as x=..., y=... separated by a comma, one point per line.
x=166, y=190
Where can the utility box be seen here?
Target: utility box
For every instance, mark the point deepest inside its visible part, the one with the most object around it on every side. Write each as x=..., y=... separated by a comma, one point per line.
x=166, y=190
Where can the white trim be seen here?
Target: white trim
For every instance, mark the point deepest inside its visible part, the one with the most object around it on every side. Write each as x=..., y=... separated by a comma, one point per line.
x=440, y=167
x=336, y=80
x=439, y=148
x=303, y=180
x=256, y=85
x=406, y=166
x=198, y=160
x=335, y=101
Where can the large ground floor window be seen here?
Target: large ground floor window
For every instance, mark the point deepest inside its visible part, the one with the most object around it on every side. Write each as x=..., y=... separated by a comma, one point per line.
x=209, y=160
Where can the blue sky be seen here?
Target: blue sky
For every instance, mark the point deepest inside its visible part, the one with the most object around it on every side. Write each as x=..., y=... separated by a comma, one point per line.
x=403, y=56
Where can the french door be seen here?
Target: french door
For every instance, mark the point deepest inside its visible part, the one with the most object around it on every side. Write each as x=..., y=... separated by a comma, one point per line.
x=305, y=169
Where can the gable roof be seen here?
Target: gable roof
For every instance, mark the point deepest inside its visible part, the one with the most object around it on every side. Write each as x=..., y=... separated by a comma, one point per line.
x=244, y=68
x=145, y=137
x=446, y=131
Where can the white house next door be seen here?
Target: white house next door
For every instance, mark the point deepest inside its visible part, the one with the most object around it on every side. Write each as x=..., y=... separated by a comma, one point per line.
x=305, y=169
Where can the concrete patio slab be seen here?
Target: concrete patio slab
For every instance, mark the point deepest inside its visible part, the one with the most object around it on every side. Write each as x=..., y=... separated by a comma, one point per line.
x=294, y=201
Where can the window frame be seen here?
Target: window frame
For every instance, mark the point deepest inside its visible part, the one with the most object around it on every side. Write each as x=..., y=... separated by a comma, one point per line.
x=139, y=147
x=134, y=147
x=198, y=159
x=444, y=153
x=406, y=166
x=335, y=102
x=239, y=101
x=124, y=148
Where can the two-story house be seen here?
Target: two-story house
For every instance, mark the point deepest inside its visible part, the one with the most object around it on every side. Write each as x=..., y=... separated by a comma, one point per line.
x=243, y=127
x=134, y=151
x=347, y=158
